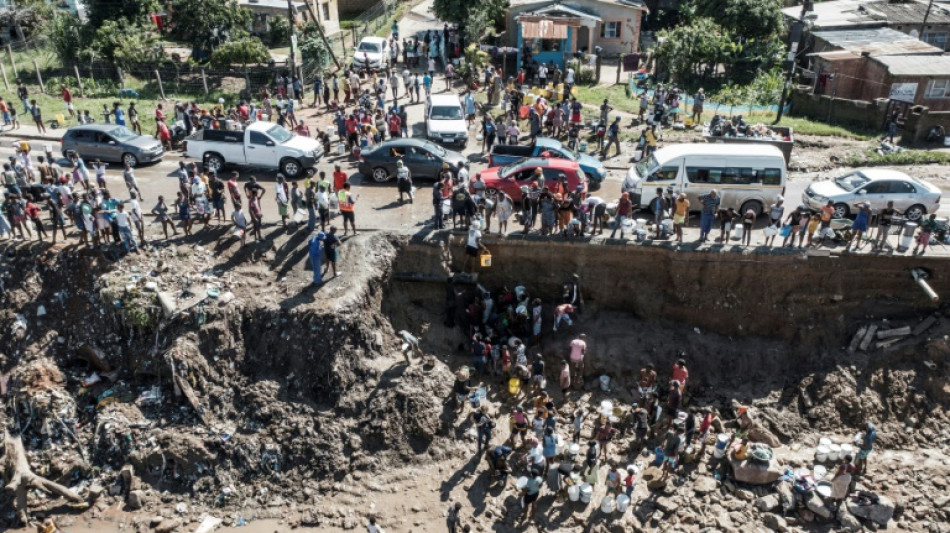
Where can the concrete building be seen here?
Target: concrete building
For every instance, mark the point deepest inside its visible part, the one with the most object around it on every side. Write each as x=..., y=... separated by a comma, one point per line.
x=555, y=31
x=264, y=11
x=905, y=16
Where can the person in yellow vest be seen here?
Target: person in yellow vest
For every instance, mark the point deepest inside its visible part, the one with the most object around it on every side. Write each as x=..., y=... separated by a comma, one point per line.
x=347, y=204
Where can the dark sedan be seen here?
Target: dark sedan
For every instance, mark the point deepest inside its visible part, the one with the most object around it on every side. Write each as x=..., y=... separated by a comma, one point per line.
x=423, y=158
x=110, y=142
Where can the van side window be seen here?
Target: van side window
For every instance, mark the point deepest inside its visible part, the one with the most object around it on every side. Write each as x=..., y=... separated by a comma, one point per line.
x=664, y=174
x=771, y=176
x=701, y=174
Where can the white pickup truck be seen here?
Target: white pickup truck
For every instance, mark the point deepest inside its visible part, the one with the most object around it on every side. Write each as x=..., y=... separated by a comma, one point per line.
x=261, y=144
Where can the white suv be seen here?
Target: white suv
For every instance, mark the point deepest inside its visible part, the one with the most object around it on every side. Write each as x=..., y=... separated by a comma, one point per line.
x=372, y=53
x=445, y=121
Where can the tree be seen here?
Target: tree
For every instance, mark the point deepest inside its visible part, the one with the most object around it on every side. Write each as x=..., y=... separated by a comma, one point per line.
x=124, y=44
x=759, y=20
x=694, y=51
x=133, y=11
x=208, y=23
x=314, y=53
x=66, y=36
x=278, y=31
x=243, y=51
x=485, y=14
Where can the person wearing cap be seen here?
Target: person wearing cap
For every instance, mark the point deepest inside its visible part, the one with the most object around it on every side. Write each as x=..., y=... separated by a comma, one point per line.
x=860, y=225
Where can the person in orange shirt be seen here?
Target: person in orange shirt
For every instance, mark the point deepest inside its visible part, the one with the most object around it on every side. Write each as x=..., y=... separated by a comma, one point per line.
x=680, y=374
x=339, y=178
x=827, y=212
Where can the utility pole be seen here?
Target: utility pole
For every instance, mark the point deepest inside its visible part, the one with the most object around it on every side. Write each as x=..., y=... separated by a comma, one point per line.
x=794, y=36
x=923, y=24
x=323, y=36
x=293, y=39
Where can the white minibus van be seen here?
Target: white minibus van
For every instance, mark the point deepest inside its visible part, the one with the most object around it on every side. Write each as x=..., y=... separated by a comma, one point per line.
x=745, y=176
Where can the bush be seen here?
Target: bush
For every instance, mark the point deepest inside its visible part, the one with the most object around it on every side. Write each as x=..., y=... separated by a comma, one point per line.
x=871, y=158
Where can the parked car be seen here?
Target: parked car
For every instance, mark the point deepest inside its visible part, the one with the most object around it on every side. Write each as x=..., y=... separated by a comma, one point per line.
x=509, y=179
x=445, y=121
x=261, y=144
x=747, y=177
x=877, y=186
x=110, y=142
x=503, y=154
x=372, y=53
x=423, y=158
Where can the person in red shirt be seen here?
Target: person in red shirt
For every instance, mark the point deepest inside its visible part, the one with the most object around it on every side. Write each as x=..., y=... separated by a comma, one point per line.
x=68, y=100
x=680, y=374
x=33, y=213
x=164, y=134
x=352, y=131
x=521, y=77
x=159, y=114
x=394, y=124
x=339, y=178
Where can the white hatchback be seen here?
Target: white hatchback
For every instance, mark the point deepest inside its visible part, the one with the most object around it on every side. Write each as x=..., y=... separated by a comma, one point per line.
x=372, y=53
x=877, y=186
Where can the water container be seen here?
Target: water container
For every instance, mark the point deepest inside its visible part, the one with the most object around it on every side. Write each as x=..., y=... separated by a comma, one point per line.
x=340, y=148
x=628, y=224
x=608, y=504
x=583, y=146
x=574, y=493
x=667, y=227
x=908, y=237
x=606, y=406
x=605, y=383
x=722, y=440
x=834, y=452
x=623, y=501
x=641, y=235
x=819, y=472
x=573, y=450
x=824, y=441
x=821, y=454
x=847, y=449
x=642, y=223
x=522, y=482
x=587, y=492
x=331, y=131
x=514, y=386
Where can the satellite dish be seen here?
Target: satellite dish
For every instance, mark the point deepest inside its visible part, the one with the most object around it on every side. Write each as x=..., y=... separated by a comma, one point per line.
x=915, y=34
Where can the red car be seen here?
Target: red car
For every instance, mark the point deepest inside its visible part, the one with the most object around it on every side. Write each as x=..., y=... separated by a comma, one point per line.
x=509, y=179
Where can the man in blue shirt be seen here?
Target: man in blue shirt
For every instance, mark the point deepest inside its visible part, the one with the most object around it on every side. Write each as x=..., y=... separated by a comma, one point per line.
x=427, y=83
x=867, y=444
x=710, y=204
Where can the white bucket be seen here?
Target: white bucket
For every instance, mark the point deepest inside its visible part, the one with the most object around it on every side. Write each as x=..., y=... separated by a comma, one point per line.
x=821, y=454
x=341, y=148
x=331, y=131
x=641, y=235
x=819, y=472
x=606, y=406
x=629, y=224
x=623, y=501
x=522, y=482
x=834, y=452
x=608, y=504
x=846, y=449
x=667, y=225
x=574, y=449
x=641, y=223
x=824, y=441
x=587, y=492
x=574, y=493
x=908, y=238
x=605, y=383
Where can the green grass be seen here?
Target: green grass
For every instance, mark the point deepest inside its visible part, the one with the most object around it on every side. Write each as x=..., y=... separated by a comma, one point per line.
x=871, y=158
x=618, y=99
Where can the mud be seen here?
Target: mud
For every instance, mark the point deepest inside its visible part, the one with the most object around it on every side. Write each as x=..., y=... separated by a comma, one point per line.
x=290, y=402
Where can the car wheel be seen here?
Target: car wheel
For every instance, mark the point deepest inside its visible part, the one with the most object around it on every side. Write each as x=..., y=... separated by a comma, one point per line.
x=214, y=162
x=380, y=175
x=592, y=184
x=753, y=206
x=291, y=168
x=915, y=212
x=130, y=159
x=841, y=211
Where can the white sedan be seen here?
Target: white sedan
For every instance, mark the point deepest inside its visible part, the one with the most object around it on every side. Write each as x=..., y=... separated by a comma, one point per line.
x=877, y=186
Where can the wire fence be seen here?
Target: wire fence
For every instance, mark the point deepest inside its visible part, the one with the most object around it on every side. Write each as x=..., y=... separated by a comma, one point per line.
x=34, y=64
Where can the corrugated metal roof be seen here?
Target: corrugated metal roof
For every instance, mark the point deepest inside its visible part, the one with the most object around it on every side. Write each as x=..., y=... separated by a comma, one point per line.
x=909, y=12
x=876, y=42
x=934, y=66
x=543, y=29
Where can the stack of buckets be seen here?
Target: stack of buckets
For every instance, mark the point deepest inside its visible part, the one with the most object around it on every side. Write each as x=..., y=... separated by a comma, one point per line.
x=828, y=451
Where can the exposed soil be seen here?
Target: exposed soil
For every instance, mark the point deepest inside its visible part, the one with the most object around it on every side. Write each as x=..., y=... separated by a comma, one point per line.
x=294, y=404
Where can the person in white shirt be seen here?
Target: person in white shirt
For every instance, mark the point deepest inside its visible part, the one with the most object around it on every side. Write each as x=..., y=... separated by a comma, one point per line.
x=135, y=212
x=240, y=223
x=463, y=174
x=100, y=169
x=280, y=194
x=472, y=246
x=372, y=527
x=125, y=229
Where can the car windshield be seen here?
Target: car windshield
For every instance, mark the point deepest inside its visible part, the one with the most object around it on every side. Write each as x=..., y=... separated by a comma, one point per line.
x=446, y=112
x=508, y=170
x=645, y=167
x=435, y=149
x=279, y=134
x=850, y=182
x=571, y=154
x=368, y=47
x=122, y=133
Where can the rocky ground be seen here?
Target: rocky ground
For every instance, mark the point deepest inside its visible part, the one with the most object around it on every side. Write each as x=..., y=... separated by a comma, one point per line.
x=200, y=379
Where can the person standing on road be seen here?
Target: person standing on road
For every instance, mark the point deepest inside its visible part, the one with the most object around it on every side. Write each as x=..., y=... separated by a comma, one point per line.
x=613, y=136
x=710, y=204
x=310, y=200
x=488, y=133
x=438, y=221
x=68, y=100
x=125, y=229
x=416, y=83
x=578, y=353
x=394, y=84
x=130, y=182
x=331, y=244
x=347, y=208
x=885, y=220
x=323, y=205
x=37, y=114
x=161, y=213
x=624, y=208
x=403, y=181
x=427, y=84
x=282, y=196
x=184, y=212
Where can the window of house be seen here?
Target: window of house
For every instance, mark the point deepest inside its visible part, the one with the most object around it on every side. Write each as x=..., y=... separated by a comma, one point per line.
x=326, y=11
x=936, y=38
x=550, y=45
x=938, y=89
x=610, y=29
